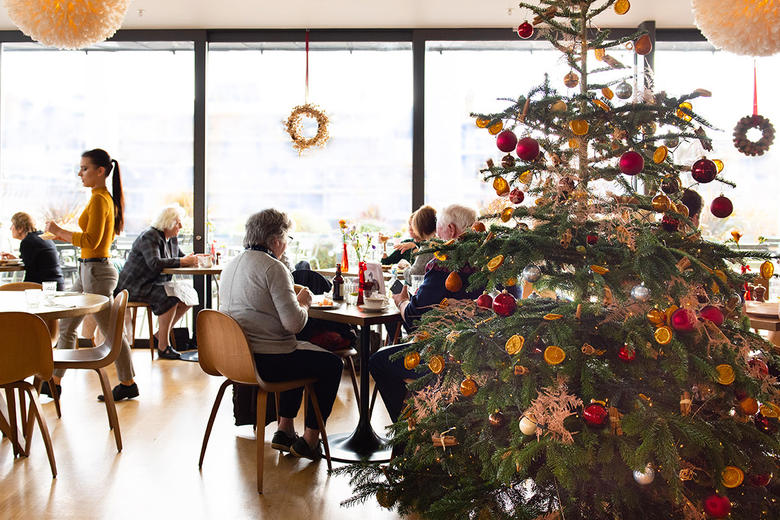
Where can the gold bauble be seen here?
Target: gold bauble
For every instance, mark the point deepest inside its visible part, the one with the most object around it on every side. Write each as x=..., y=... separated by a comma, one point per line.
x=662, y=203
x=468, y=387
x=482, y=122
x=495, y=128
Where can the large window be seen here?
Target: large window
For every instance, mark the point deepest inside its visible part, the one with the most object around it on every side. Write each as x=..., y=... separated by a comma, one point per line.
x=135, y=100
x=362, y=174
x=682, y=68
x=481, y=77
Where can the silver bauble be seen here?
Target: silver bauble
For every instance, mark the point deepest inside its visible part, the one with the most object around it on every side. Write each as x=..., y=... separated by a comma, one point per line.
x=532, y=273
x=527, y=425
x=640, y=293
x=672, y=142
x=645, y=477
x=623, y=90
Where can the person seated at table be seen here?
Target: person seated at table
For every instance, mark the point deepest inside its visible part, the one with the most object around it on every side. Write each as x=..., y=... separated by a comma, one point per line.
x=424, y=225
x=694, y=203
x=390, y=375
x=257, y=291
x=41, y=261
x=155, y=249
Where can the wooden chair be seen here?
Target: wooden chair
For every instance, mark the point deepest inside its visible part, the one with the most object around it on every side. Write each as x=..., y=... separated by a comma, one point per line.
x=52, y=325
x=25, y=351
x=98, y=358
x=223, y=350
x=133, y=307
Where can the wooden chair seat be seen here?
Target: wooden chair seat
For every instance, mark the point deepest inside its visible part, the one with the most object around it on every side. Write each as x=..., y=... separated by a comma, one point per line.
x=82, y=358
x=223, y=350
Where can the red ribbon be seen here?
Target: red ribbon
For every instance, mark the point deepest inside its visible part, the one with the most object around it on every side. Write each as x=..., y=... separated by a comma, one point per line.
x=755, y=91
x=307, y=65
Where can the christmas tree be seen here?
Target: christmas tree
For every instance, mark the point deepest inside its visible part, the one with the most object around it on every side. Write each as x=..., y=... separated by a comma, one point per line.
x=638, y=391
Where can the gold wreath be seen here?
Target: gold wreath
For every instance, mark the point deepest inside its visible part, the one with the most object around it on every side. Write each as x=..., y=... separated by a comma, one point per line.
x=295, y=127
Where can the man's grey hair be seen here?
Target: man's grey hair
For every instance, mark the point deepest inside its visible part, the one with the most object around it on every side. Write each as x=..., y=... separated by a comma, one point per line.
x=166, y=219
x=462, y=216
x=265, y=225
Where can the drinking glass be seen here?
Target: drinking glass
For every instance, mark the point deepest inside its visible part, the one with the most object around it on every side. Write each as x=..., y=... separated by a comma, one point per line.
x=49, y=289
x=33, y=297
x=417, y=280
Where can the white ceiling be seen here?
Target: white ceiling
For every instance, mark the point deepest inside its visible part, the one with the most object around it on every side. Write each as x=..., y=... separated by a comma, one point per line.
x=234, y=14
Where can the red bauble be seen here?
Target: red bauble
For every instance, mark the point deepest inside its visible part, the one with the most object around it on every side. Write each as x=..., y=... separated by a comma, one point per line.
x=669, y=224
x=713, y=314
x=759, y=364
x=516, y=196
x=626, y=355
x=485, y=301
x=760, y=480
x=525, y=30
x=721, y=207
x=766, y=424
x=592, y=239
x=504, y=304
x=717, y=506
x=595, y=414
x=704, y=170
x=506, y=141
x=631, y=163
x=528, y=148
x=683, y=320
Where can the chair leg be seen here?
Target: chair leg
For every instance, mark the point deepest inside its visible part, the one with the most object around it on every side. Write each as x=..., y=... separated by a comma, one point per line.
x=10, y=396
x=353, y=376
x=276, y=401
x=262, y=402
x=37, y=411
x=54, y=394
x=213, y=416
x=151, y=331
x=108, y=398
x=320, y=422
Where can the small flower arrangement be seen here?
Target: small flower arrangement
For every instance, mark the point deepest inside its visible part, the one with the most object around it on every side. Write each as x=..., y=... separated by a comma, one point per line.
x=361, y=242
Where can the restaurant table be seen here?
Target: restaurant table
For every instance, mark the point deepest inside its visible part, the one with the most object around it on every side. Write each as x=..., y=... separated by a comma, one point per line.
x=330, y=272
x=66, y=305
x=208, y=272
x=11, y=268
x=362, y=444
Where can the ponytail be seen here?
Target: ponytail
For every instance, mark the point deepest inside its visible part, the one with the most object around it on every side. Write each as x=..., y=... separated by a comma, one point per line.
x=100, y=158
x=119, y=199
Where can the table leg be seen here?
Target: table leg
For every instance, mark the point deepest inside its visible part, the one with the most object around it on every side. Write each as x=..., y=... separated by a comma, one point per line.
x=192, y=355
x=362, y=444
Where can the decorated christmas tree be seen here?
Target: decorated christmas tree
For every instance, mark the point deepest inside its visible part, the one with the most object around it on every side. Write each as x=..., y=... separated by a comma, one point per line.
x=637, y=391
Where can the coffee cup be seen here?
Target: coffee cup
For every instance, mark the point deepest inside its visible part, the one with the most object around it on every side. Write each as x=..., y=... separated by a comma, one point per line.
x=374, y=302
x=204, y=261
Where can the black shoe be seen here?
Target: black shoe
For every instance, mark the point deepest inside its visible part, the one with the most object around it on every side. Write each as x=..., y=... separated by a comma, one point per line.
x=168, y=353
x=300, y=448
x=282, y=442
x=121, y=392
x=47, y=391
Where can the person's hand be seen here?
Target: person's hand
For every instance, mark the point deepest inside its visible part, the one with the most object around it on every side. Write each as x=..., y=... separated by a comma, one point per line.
x=7, y=256
x=405, y=246
x=401, y=297
x=54, y=229
x=191, y=260
x=304, y=297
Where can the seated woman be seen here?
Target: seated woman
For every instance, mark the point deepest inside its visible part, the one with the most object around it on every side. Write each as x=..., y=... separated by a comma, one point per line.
x=257, y=291
x=423, y=226
x=155, y=249
x=41, y=261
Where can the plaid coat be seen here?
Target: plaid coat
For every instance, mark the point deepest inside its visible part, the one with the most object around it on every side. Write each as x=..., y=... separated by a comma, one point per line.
x=142, y=274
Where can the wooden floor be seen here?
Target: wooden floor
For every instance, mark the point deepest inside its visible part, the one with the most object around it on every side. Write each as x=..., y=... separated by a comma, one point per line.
x=156, y=475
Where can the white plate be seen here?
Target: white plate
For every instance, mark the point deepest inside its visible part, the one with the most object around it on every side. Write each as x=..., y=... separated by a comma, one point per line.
x=11, y=261
x=325, y=307
x=363, y=308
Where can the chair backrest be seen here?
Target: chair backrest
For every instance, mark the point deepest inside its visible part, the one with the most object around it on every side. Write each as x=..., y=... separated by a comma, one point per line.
x=25, y=347
x=20, y=286
x=223, y=348
x=113, y=344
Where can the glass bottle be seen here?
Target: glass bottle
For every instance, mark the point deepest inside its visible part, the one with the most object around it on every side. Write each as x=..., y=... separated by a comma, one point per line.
x=338, y=285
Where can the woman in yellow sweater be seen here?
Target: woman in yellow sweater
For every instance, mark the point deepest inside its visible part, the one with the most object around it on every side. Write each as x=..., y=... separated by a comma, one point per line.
x=101, y=221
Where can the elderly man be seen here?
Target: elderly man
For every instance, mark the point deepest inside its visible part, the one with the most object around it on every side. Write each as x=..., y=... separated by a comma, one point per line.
x=390, y=375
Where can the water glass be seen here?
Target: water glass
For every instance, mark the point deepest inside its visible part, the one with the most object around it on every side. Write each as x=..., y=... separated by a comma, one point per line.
x=33, y=297
x=417, y=280
x=49, y=289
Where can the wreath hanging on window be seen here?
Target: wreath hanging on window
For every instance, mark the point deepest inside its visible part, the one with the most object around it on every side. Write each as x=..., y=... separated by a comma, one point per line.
x=295, y=127
x=745, y=145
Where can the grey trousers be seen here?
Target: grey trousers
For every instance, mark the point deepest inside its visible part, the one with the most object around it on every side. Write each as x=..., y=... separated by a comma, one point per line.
x=97, y=278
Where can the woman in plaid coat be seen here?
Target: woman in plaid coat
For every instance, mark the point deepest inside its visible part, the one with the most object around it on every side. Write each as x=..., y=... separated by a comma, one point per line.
x=154, y=250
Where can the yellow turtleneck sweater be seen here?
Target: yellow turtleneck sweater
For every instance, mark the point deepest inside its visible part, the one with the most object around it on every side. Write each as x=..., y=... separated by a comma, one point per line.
x=97, y=224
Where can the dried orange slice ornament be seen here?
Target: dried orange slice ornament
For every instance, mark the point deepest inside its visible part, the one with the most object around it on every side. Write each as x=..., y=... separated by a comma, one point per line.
x=732, y=476
x=495, y=128
x=552, y=317
x=482, y=122
x=579, y=126
x=656, y=317
x=554, y=355
x=411, y=360
x=767, y=269
x=663, y=335
x=599, y=269
x=725, y=374
x=440, y=256
x=514, y=344
x=660, y=154
x=468, y=387
x=681, y=111
x=501, y=186
x=495, y=263
x=436, y=364
x=607, y=92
